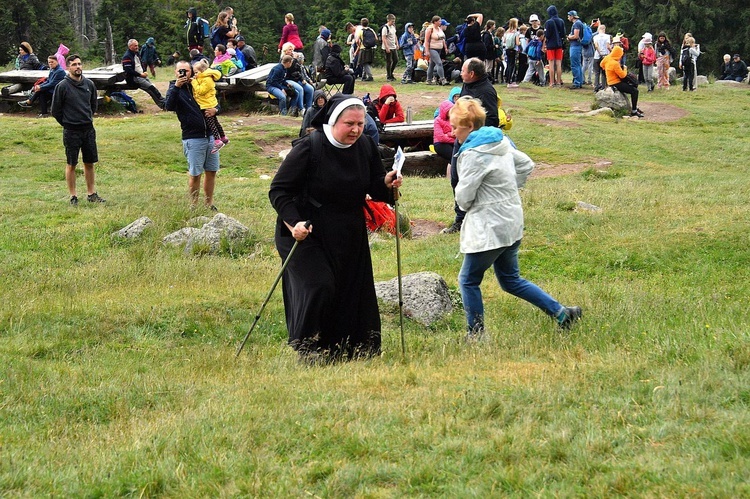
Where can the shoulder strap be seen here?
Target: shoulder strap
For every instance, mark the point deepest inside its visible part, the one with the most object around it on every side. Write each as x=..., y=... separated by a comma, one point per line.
x=316, y=153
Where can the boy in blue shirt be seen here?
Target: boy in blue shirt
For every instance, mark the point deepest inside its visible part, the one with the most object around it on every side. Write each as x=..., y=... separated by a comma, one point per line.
x=407, y=42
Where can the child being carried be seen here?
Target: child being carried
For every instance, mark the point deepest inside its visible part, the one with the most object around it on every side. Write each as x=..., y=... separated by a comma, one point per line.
x=204, y=93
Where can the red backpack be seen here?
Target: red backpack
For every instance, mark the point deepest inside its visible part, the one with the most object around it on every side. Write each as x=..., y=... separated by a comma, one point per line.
x=379, y=215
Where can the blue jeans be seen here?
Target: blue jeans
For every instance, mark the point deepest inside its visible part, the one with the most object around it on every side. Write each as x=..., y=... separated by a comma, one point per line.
x=199, y=157
x=280, y=95
x=575, y=65
x=298, y=101
x=505, y=263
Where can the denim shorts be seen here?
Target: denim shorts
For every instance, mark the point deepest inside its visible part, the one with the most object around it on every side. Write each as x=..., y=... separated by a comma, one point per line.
x=83, y=141
x=199, y=157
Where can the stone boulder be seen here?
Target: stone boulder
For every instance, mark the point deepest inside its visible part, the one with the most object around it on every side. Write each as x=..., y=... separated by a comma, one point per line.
x=134, y=229
x=425, y=295
x=180, y=237
x=602, y=110
x=612, y=99
x=209, y=238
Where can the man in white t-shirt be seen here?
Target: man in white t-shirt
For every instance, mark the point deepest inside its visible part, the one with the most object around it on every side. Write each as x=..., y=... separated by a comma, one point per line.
x=602, y=43
x=389, y=43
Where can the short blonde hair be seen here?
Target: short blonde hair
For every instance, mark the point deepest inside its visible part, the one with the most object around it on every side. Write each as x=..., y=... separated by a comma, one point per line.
x=468, y=111
x=200, y=66
x=287, y=46
x=289, y=17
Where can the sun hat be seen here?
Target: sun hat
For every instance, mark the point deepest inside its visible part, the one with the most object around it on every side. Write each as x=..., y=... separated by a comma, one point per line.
x=533, y=17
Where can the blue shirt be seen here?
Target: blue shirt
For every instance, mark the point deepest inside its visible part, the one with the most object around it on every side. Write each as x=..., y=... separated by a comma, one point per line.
x=577, y=25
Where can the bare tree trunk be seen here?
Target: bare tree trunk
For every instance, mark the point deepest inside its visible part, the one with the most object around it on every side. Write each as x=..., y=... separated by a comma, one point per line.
x=109, y=46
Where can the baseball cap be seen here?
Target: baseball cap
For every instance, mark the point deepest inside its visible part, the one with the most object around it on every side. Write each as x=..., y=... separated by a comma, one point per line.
x=533, y=17
x=239, y=38
x=573, y=13
x=443, y=22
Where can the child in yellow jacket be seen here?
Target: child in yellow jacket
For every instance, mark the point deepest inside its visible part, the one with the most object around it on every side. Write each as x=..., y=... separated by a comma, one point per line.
x=204, y=93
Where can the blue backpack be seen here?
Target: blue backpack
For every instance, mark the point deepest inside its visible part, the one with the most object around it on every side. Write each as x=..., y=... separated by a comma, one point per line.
x=587, y=35
x=534, y=50
x=215, y=38
x=125, y=101
x=204, y=27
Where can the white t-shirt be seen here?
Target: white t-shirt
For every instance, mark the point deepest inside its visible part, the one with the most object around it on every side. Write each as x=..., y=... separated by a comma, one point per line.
x=388, y=37
x=601, y=43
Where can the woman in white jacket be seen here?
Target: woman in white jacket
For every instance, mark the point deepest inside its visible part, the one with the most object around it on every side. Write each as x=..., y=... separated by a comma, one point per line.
x=490, y=171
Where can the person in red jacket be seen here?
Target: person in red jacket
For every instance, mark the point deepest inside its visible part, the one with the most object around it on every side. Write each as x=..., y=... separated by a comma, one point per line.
x=388, y=107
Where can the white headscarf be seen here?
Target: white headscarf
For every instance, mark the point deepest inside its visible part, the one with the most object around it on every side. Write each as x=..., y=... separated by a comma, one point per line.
x=335, y=113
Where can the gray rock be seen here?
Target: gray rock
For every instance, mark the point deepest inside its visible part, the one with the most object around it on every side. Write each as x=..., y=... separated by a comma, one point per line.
x=180, y=237
x=602, y=110
x=425, y=295
x=612, y=99
x=208, y=238
x=583, y=206
x=134, y=229
x=701, y=80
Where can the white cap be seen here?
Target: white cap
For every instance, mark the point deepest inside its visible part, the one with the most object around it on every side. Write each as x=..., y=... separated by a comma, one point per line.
x=533, y=17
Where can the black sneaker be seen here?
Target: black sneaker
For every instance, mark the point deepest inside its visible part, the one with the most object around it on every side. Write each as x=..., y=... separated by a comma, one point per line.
x=213, y=208
x=94, y=198
x=454, y=227
x=73, y=200
x=568, y=316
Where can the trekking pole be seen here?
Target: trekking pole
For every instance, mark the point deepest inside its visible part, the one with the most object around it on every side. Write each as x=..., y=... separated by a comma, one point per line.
x=270, y=292
x=398, y=267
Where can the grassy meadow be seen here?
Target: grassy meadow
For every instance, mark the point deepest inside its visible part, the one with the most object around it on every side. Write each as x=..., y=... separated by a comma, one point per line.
x=117, y=369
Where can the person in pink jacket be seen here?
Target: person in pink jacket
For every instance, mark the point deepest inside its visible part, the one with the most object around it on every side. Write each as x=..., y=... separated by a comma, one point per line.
x=442, y=136
x=60, y=55
x=290, y=33
x=388, y=106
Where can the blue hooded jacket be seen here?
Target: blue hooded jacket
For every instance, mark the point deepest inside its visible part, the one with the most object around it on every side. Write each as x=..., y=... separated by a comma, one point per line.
x=554, y=29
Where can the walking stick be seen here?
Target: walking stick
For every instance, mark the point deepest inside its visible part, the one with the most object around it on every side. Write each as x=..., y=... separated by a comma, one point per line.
x=270, y=292
x=398, y=266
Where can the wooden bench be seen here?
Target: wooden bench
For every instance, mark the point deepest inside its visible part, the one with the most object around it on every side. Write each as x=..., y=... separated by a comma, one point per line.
x=251, y=80
x=420, y=164
x=418, y=130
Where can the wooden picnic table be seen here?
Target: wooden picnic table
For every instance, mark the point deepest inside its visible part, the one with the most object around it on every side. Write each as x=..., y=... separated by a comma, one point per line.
x=103, y=78
x=417, y=130
x=247, y=81
x=415, y=139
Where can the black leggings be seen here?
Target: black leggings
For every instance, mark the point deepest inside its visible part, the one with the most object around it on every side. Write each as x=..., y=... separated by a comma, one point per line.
x=213, y=124
x=628, y=89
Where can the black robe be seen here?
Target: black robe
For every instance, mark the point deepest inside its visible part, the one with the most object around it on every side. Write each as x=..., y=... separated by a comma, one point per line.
x=328, y=286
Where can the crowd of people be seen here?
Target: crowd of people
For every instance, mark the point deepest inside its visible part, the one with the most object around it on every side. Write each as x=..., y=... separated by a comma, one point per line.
x=329, y=297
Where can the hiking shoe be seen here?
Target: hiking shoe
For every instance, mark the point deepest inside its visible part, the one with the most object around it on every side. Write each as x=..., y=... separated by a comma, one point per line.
x=73, y=200
x=24, y=104
x=218, y=144
x=454, y=227
x=212, y=208
x=568, y=316
x=94, y=198
x=636, y=112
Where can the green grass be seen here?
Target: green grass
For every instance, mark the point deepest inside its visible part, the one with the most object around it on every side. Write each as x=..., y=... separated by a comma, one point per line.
x=117, y=375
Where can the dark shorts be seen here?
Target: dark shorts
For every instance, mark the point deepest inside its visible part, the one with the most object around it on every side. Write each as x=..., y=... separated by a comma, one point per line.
x=83, y=141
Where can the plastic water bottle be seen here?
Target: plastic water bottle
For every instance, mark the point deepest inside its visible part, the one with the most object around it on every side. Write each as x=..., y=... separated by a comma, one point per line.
x=409, y=115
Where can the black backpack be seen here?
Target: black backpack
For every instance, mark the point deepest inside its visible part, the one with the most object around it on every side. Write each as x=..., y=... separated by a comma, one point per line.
x=369, y=38
x=685, y=58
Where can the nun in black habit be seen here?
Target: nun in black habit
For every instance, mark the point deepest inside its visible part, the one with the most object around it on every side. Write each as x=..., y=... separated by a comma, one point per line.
x=329, y=292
